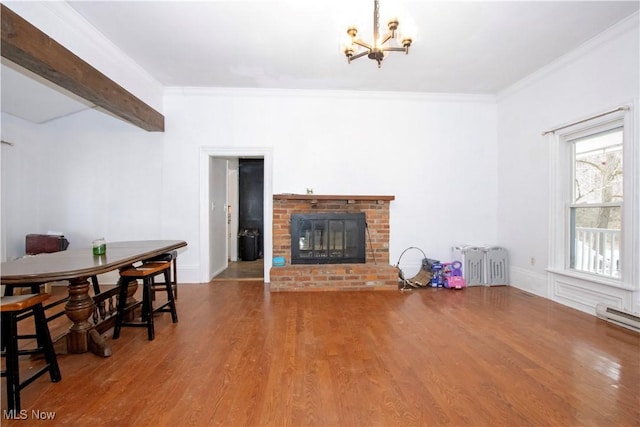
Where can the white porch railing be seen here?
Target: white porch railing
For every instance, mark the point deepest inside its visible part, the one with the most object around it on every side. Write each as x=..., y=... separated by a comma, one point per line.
x=597, y=250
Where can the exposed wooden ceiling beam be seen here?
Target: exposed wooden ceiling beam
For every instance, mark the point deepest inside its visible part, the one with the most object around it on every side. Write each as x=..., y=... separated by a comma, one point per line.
x=30, y=48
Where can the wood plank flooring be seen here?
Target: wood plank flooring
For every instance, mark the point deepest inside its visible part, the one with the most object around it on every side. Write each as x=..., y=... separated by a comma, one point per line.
x=242, y=270
x=242, y=356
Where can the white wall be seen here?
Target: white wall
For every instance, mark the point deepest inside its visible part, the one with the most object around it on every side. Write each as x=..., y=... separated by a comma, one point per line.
x=436, y=154
x=100, y=177
x=20, y=185
x=87, y=175
x=600, y=75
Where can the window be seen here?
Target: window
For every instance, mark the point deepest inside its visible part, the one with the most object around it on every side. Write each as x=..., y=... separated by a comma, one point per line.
x=595, y=209
x=594, y=219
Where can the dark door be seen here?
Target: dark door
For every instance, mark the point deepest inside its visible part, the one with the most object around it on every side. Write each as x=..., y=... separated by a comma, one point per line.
x=251, y=203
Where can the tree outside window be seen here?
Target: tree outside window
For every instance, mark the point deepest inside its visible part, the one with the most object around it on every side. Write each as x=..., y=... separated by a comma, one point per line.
x=595, y=214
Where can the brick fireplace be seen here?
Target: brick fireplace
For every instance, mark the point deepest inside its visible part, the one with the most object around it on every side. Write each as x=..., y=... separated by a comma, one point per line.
x=374, y=274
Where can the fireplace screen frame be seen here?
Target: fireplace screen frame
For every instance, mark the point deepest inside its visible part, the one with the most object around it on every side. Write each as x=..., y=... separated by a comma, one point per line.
x=348, y=237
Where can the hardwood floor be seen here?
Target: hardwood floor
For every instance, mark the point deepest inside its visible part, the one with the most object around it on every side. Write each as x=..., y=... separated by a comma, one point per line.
x=242, y=270
x=242, y=356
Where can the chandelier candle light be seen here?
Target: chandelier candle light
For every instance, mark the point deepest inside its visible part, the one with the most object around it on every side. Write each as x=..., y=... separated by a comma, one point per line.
x=378, y=49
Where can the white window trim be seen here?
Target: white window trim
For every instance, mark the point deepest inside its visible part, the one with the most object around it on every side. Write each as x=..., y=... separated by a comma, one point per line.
x=559, y=193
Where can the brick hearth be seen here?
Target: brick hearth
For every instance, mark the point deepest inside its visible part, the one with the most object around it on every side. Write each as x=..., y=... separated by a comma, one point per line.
x=375, y=274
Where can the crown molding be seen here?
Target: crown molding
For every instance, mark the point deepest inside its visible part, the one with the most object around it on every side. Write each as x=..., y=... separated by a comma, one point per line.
x=334, y=94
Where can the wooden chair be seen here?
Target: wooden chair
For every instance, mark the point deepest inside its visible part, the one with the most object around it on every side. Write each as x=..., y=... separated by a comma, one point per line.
x=147, y=272
x=15, y=308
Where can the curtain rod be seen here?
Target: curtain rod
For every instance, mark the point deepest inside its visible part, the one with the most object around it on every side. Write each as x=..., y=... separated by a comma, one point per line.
x=615, y=110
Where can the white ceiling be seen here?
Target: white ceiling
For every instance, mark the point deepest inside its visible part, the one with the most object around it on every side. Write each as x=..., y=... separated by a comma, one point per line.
x=473, y=47
x=32, y=98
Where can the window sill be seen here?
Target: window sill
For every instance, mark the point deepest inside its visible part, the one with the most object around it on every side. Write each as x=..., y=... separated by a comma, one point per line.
x=592, y=278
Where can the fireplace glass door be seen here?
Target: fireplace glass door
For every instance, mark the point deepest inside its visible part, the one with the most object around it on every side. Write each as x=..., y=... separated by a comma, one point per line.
x=327, y=238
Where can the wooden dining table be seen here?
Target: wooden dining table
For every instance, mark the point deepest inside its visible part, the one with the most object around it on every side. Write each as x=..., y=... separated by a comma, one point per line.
x=77, y=266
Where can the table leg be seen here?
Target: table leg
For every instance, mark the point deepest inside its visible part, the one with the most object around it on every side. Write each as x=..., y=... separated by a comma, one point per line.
x=132, y=288
x=82, y=336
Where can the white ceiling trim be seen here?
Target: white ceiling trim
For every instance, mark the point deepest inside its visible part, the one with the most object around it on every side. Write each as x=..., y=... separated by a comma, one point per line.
x=339, y=94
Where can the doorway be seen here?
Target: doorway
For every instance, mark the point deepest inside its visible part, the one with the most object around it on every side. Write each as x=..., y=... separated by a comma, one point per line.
x=245, y=203
x=217, y=235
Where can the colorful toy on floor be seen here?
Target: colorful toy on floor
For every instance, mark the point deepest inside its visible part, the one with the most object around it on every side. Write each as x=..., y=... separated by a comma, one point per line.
x=456, y=282
x=437, y=280
x=454, y=279
x=456, y=268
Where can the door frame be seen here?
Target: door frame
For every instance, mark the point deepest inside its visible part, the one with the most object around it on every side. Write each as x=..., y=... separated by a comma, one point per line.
x=206, y=153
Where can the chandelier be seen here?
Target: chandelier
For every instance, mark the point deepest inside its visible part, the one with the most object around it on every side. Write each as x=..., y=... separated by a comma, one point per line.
x=376, y=51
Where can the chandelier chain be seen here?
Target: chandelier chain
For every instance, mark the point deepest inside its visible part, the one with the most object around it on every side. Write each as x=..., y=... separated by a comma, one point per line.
x=376, y=23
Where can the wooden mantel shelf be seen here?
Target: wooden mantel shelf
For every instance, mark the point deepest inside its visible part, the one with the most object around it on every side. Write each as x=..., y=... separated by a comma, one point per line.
x=312, y=197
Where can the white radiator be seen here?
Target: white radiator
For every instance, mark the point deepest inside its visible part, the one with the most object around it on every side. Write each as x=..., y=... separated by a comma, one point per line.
x=619, y=317
x=496, y=266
